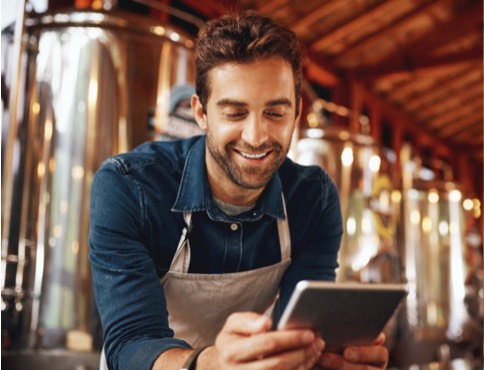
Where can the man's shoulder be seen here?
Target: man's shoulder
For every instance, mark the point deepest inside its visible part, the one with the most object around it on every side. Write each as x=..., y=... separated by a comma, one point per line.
x=296, y=174
x=170, y=155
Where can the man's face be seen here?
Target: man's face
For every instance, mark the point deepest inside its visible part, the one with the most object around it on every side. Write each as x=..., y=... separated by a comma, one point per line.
x=250, y=117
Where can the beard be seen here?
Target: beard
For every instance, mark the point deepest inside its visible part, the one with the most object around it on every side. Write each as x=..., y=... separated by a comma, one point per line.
x=248, y=177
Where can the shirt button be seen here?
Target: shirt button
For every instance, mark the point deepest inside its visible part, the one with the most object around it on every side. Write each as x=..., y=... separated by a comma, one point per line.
x=234, y=227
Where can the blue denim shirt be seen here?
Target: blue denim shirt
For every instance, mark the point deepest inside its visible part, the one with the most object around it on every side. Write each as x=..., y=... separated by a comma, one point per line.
x=137, y=205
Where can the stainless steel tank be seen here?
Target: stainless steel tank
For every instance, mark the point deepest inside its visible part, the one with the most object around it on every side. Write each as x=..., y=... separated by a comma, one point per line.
x=363, y=173
x=436, y=323
x=92, y=83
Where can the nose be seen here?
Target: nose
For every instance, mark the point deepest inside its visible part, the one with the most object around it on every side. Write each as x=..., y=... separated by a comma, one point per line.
x=255, y=131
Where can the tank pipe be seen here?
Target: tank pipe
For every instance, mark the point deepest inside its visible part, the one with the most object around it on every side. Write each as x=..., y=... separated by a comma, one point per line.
x=180, y=14
x=7, y=186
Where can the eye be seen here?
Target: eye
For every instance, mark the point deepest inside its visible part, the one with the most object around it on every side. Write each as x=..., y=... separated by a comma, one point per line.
x=234, y=114
x=274, y=114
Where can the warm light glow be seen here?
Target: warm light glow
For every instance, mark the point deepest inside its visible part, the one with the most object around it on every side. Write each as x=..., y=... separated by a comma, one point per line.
x=454, y=228
x=312, y=120
x=330, y=106
x=52, y=164
x=443, y=228
x=455, y=196
x=396, y=196
x=315, y=133
x=75, y=247
x=374, y=163
x=92, y=92
x=159, y=30
x=426, y=224
x=477, y=208
x=342, y=111
x=36, y=108
x=366, y=223
x=364, y=120
x=347, y=157
x=351, y=226
x=77, y=173
x=48, y=130
x=415, y=217
x=433, y=196
x=41, y=169
x=468, y=204
x=175, y=37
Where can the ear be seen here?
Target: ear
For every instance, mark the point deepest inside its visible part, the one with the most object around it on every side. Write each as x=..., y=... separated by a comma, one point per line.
x=198, y=112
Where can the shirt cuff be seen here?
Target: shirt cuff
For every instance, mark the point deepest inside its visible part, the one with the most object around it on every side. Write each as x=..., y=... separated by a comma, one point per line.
x=142, y=354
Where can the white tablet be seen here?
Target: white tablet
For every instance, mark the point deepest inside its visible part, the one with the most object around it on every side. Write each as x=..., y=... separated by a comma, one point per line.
x=343, y=314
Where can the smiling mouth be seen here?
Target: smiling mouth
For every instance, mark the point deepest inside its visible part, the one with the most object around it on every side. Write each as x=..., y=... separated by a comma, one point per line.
x=253, y=155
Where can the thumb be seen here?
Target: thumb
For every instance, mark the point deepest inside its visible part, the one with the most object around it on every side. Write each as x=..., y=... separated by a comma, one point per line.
x=247, y=323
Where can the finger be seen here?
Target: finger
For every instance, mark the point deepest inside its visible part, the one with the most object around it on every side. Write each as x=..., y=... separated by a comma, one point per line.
x=334, y=361
x=269, y=344
x=380, y=340
x=301, y=359
x=329, y=360
x=372, y=355
x=246, y=323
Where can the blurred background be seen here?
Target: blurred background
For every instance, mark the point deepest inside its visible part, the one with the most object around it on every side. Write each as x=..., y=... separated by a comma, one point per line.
x=393, y=110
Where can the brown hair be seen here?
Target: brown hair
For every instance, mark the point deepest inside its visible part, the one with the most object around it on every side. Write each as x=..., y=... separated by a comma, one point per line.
x=243, y=38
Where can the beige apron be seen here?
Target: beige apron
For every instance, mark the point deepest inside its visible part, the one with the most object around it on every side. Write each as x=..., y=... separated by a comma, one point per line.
x=199, y=304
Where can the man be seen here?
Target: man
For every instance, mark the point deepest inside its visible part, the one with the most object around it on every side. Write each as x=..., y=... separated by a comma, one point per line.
x=192, y=241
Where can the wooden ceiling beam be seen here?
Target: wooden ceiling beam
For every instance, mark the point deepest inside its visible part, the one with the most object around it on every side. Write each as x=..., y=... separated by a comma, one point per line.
x=453, y=84
x=420, y=64
x=322, y=76
x=470, y=138
x=391, y=32
x=455, y=81
x=444, y=33
x=310, y=18
x=349, y=27
x=410, y=57
x=451, y=102
x=211, y=8
x=465, y=122
x=454, y=116
x=269, y=7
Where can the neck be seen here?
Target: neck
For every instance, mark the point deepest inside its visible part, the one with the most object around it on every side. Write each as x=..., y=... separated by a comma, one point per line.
x=232, y=193
x=226, y=190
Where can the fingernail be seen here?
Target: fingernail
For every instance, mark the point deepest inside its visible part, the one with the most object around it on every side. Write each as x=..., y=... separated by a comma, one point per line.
x=259, y=323
x=320, y=344
x=308, y=337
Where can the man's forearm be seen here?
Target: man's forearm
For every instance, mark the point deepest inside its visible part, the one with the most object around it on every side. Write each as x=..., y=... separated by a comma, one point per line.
x=173, y=359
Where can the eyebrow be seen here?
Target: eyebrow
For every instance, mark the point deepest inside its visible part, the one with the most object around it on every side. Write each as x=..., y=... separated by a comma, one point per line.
x=270, y=103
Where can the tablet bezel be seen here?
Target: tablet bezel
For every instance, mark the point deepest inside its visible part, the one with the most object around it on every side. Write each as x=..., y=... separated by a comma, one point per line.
x=350, y=314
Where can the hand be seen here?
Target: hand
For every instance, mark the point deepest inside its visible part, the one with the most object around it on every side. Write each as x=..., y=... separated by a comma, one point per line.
x=357, y=358
x=246, y=342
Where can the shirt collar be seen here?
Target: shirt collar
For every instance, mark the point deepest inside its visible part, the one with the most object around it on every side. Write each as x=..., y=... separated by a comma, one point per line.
x=194, y=193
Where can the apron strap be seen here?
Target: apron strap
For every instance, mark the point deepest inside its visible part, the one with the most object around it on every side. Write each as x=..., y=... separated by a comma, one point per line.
x=181, y=260
x=284, y=234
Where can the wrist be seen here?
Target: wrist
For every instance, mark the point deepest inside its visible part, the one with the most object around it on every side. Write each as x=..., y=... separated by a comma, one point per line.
x=191, y=362
x=207, y=360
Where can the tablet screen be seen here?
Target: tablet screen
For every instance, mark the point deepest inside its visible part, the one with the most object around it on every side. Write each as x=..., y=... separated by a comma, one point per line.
x=343, y=314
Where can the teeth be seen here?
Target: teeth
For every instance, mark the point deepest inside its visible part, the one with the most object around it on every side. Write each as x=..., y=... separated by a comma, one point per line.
x=253, y=156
